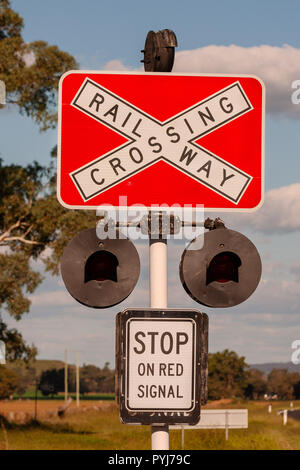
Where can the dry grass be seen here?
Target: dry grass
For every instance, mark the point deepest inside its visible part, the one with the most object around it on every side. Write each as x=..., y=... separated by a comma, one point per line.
x=102, y=430
x=43, y=406
x=4, y=445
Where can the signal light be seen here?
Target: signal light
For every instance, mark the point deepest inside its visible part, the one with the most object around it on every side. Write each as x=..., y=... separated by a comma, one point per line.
x=223, y=268
x=101, y=266
x=100, y=273
x=224, y=272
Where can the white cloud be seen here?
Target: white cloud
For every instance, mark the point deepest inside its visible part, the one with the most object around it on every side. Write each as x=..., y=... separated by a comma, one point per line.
x=278, y=296
x=273, y=268
x=278, y=67
x=93, y=338
x=52, y=298
x=280, y=212
x=295, y=269
x=115, y=65
x=259, y=337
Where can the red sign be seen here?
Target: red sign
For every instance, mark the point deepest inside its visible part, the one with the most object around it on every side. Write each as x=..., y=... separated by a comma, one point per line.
x=160, y=139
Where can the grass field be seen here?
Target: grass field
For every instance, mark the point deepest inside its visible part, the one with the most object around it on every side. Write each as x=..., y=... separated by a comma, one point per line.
x=101, y=430
x=41, y=407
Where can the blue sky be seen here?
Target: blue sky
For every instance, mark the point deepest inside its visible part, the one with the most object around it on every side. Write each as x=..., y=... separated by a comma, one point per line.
x=101, y=34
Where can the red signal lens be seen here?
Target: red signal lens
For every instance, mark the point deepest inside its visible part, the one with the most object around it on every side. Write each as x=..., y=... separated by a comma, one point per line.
x=101, y=266
x=223, y=268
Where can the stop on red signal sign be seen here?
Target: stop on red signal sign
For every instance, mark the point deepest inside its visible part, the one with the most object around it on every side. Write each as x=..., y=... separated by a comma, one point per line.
x=158, y=138
x=161, y=365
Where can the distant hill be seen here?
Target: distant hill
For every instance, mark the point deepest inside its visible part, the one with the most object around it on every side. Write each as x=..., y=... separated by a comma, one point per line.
x=29, y=373
x=269, y=366
x=39, y=365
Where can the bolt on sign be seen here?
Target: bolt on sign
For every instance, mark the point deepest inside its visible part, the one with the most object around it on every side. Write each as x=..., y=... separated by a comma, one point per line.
x=161, y=362
x=186, y=139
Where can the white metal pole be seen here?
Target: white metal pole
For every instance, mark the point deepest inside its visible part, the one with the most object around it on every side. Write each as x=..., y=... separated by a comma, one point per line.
x=285, y=416
x=158, y=299
x=158, y=273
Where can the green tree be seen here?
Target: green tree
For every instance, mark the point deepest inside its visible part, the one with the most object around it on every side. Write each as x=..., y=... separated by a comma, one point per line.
x=31, y=219
x=90, y=379
x=26, y=375
x=25, y=232
x=227, y=376
x=8, y=382
x=108, y=383
x=297, y=390
x=281, y=383
x=257, y=384
x=52, y=381
x=31, y=71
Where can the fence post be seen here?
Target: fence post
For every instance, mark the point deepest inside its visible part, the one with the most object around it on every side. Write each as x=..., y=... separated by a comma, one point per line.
x=270, y=408
x=226, y=425
x=182, y=437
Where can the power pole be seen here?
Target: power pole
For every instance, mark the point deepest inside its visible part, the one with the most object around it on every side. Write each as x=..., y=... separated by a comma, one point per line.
x=77, y=380
x=66, y=374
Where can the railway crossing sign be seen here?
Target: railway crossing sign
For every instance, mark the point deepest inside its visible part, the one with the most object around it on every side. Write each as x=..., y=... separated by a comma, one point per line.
x=160, y=138
x=161, y=362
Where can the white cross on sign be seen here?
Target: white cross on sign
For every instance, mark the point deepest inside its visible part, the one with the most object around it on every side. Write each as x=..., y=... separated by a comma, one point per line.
x=150, y=140
x=160, y=139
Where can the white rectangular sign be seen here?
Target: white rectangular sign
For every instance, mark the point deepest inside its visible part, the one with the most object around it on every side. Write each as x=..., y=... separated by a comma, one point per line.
x=220, y=419
x=160, y=366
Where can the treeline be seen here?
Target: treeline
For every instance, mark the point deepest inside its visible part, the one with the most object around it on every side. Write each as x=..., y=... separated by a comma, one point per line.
x=92, y=379
x=19, y=379
x=229, y=376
